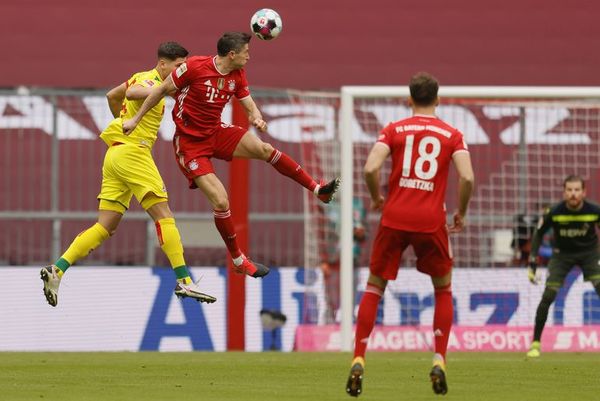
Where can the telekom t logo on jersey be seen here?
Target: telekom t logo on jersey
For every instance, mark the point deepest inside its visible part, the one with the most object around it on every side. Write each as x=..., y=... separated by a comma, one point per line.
x=213, y=93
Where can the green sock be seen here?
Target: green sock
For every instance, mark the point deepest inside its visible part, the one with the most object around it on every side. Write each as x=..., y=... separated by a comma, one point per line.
x=62, y=264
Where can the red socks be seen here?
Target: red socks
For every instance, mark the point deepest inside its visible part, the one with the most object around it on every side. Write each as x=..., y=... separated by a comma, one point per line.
x=367, y=313
x=224, y=224
x=442, y=318
x=288, y=167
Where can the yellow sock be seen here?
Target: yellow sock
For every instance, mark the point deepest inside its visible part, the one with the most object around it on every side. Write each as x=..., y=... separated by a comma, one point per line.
x=170, y=242
x=360, y=360
x=82, y=245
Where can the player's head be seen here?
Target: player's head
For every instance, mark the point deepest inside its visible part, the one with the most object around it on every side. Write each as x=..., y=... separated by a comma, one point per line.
x=423, y=90
x=234, y=47
x=170, y=56
x=574, y=191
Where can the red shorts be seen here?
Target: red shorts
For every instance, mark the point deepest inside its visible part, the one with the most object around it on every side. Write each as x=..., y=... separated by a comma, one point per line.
x=193, y=154
x=434, y=255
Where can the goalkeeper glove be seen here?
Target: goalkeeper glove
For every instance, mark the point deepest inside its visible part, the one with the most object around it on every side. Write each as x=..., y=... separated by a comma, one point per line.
x=531, y=270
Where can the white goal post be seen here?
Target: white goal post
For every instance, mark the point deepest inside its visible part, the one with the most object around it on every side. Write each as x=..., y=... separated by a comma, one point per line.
x=347, y=122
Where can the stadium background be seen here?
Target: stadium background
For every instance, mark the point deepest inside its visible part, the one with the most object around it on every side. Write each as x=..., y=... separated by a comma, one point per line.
x=88, y=44
x=61, y=61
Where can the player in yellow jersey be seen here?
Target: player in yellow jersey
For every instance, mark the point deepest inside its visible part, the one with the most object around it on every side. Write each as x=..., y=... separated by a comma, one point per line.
x=129, y=170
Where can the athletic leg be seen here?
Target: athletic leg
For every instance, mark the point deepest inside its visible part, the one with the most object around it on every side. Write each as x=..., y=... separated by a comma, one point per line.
x=442, y=324
x=541, y=314
x=168, y=235
x=367, y=313
x=170, y=242
x=590, y=266
x=365, y=321
x=443, y=313
x=251, y=147
x=558, y=268
x=90, y=239
x=216, y=194
x=434, y=257
x=82, y=245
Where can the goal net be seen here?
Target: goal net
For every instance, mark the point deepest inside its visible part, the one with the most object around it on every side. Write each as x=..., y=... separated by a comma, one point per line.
x=523, y=143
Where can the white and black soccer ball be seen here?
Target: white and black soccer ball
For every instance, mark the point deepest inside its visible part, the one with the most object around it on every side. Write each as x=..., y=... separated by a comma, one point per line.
x=266, y=24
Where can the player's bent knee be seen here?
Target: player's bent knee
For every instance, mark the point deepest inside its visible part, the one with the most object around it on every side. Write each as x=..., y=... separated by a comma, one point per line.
x=110, y=214
x=266, y=151
x=443, y=281
x=112, y=206
x=110, y=221
x=151, y=199
x=110, y=227
x=263, y=152
x=377, y=281
x=160, y=211
x=221, y=204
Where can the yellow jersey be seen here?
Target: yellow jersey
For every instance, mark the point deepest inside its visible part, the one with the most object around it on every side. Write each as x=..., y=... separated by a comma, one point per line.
x=146, y=132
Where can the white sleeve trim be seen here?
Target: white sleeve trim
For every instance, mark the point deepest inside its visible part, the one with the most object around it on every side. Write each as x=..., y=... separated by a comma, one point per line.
x=460, y=151
x=385, y=144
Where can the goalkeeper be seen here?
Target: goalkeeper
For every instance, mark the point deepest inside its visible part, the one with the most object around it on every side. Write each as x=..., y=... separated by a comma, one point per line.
x=574, y=223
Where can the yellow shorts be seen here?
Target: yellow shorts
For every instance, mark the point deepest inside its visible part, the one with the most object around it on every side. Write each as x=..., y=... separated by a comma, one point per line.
x=129, y=170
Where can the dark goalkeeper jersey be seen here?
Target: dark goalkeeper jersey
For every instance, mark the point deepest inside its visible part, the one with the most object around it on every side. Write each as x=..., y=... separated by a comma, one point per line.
x=573, y=230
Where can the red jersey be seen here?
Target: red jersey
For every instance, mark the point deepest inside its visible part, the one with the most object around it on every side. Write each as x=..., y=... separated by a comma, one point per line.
x=202, y=93
x=422, y=148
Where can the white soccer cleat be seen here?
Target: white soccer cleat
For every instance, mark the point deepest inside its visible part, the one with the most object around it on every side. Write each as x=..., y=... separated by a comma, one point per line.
x=51, y=279
x=192, y=290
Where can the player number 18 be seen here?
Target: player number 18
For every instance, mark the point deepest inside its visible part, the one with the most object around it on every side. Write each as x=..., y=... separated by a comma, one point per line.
x=425, y=156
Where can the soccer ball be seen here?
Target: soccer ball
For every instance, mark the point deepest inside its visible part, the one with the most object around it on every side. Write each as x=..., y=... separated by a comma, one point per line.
x=266, y=24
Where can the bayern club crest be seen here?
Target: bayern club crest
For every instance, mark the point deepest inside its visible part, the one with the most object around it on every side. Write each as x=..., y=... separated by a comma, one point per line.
x=193, y=165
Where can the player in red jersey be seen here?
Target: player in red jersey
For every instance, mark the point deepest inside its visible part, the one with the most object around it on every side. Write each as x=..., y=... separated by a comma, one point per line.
x=422, y=148
x=203, y=86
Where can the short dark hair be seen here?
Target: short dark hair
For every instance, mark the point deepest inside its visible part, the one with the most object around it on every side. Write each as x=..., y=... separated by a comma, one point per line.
x=574, y=178
x=232, y=41
x=423, y=89
x=171, y=51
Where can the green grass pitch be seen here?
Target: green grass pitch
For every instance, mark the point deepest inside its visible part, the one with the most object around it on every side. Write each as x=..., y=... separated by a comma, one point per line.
x=266, y=376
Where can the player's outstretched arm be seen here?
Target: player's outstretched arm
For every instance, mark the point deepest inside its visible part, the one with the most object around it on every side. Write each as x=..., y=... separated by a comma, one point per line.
x=466, y=181
x=536, y=241
x=152, y=100
x=372, y=172
x=138, y=92
x=254, y=114
x=115, y=98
